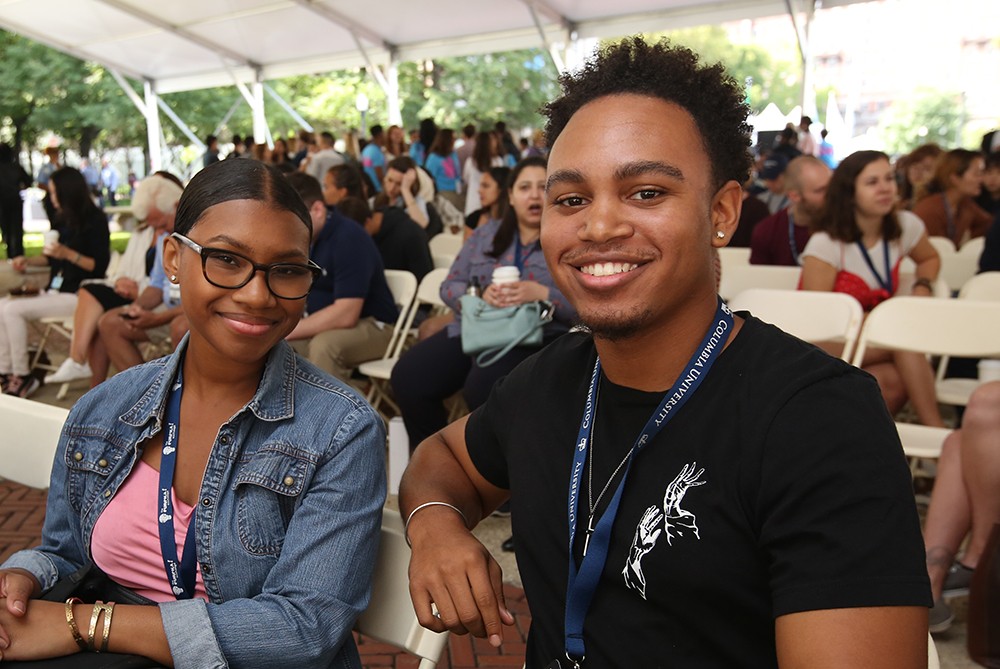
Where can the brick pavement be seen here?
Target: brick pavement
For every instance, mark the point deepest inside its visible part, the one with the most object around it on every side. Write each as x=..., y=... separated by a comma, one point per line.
x=22, y=511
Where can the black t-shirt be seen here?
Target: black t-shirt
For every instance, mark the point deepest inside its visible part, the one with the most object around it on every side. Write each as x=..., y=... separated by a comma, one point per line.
x=91, y=238
x=780, y=487
x=403, y=244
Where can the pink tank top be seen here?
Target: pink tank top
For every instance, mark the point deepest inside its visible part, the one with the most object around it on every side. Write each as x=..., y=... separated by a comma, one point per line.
x=126, y=540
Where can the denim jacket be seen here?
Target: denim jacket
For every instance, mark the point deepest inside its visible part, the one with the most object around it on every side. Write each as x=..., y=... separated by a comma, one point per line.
x=287, y=521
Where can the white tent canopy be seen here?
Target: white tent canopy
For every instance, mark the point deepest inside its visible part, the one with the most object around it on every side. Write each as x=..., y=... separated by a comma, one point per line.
x=189, y=44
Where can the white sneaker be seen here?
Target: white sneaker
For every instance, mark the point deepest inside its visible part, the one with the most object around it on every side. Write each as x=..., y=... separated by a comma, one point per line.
x=70, y=370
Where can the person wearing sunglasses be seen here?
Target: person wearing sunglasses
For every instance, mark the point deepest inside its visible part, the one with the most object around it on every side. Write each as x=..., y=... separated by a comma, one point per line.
x=232, y=485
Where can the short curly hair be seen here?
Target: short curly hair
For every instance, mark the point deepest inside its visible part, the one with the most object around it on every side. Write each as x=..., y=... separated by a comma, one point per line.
x=671, y=73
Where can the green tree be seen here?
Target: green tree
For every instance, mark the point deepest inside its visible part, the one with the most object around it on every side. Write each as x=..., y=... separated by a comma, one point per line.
x=927, y=116
x=771, y=79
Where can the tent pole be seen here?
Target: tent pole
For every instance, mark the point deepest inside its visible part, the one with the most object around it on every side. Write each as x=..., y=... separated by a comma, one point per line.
x=153, y=127
x=180, y=123
x=288, y=108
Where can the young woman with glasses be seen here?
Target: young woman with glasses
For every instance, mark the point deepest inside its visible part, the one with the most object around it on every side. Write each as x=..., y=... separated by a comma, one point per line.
x=258, y=550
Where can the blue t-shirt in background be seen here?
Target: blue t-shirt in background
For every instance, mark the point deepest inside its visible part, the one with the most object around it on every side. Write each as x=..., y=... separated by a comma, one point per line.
x=372, y=157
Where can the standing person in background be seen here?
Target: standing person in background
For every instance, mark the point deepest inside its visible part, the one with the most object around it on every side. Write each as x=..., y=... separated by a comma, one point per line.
x=395, y=143
x=317, y=164
x=468, y=144
x=44, y=174
x=82, y=252
x=507, y=146
x=279, y=154
x=13, y=180
x=302, y=142
x=807, y=143
x=780, y=238
x=421, y=147
x=856, y=248
x=211, y=151
x=109, y=180
x=947, y=205
x=373, y=158
x=826, y=150
x=485, y=157
x=664, y=509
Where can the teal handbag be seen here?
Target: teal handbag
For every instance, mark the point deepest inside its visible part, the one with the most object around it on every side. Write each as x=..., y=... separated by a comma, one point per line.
x=490, y=332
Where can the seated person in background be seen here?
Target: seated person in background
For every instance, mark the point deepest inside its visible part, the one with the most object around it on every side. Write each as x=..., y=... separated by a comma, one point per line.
x=492, y=194
x=947, y=206
x=780, y=238
x=401, y=242
x=82, y=252
x=350, y=311
x=436, y=367
x=342, y=181
x=989, y=198
x=773, y=175
x=401, y=187
x=752, y=213
x=154, y=203
x=989, y=261
x=155, y=315
x=966, y=498
x=914, y=171
x=272, y=473
x=859, y=242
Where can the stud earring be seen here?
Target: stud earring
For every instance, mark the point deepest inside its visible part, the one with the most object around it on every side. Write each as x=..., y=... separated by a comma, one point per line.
x=720, y=234
x=173, y=278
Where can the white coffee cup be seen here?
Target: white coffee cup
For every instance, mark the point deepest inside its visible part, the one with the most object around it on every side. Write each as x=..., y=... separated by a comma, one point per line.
x=50, y=237
x=989, y=370
x=506, y=274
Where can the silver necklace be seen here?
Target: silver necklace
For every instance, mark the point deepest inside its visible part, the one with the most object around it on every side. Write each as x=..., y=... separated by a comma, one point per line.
x=590, y=477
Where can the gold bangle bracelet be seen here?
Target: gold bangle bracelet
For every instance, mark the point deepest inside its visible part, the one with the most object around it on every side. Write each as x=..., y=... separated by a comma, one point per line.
x=109, y=610
x=71, y=621
x=98, y=608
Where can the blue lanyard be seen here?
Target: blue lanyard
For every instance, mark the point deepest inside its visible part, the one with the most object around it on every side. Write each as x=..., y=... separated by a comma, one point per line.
x=885, y=283
x=791, y=238
x=181, y=576
x=518, y=260
x=583, y=584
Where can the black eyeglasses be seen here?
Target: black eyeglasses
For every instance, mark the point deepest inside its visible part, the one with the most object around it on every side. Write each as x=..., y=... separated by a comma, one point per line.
x=228, y=269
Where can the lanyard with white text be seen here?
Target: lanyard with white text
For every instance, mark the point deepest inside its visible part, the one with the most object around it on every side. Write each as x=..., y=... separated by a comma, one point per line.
x=791, y=239
x=582, y=586
x=181, y=576
x=518, y=260
x=885, y=283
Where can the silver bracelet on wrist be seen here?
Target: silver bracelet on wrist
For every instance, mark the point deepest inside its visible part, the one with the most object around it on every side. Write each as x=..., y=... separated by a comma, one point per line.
x=406, y=525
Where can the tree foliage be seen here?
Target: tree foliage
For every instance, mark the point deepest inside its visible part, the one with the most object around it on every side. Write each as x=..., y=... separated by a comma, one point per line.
x=771, y=79
x=928, y=116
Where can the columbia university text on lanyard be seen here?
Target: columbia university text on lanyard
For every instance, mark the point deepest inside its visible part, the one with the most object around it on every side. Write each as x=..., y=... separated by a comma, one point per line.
x=583, y=583
x=180, y=575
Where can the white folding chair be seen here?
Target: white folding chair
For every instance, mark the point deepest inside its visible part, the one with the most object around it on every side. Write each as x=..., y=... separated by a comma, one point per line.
x=443, y=260
x=920, y=443
x=984, y=287
x=953, y=389
x=964, y=328
x=390, y=617
x=809, y=315
x=28, y=440
x=379, y=371
x=738, y=278
x=973, y=247
x=444, y=244
x=733, y=256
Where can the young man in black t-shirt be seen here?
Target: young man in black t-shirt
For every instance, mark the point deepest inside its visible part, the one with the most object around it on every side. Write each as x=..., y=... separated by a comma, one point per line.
x=714, y=492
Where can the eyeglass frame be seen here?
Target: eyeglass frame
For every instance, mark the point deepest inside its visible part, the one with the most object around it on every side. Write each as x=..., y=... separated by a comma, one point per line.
x=203, y=251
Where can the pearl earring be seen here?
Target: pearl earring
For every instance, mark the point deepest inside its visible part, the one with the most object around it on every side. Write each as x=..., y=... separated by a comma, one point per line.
x=720, y=234
x=173, y=278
